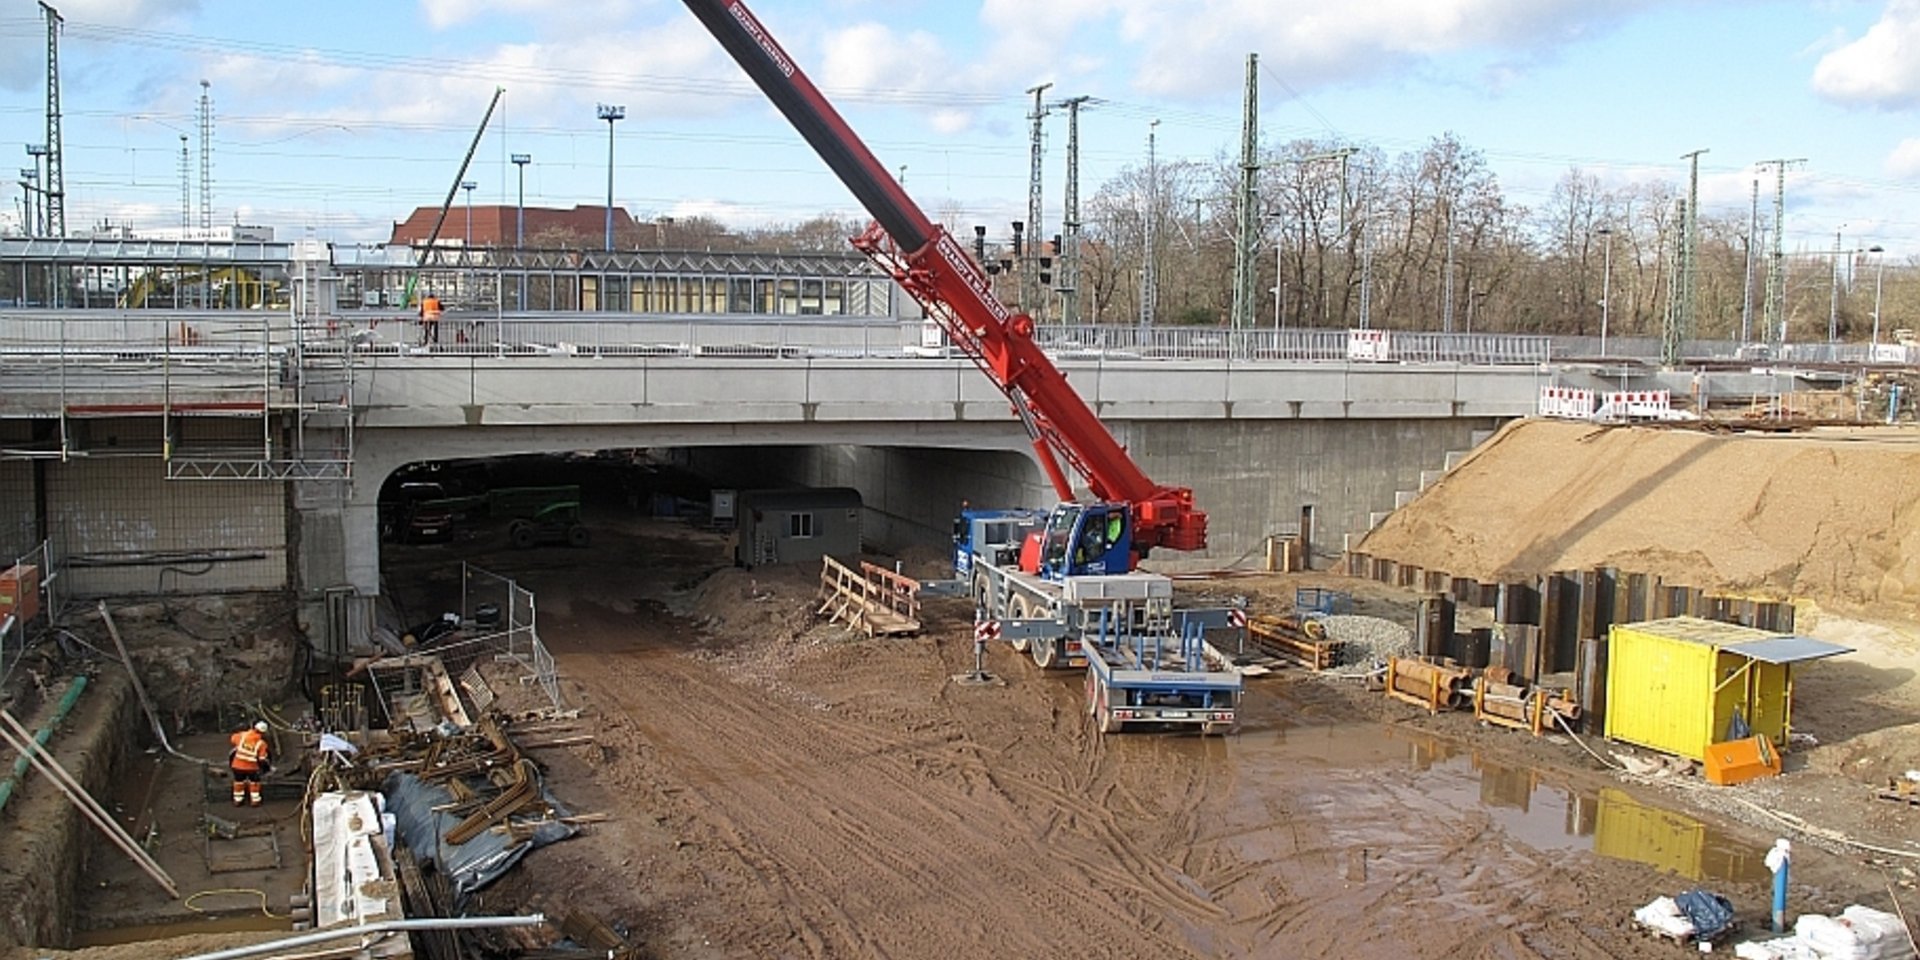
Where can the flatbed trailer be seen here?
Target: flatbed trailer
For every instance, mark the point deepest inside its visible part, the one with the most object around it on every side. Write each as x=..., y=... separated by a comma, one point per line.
x=1135, y=684
x=1148, y=662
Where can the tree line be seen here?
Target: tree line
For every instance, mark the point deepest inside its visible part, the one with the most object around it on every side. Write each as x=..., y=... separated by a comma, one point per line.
x=1423, y=240
x=1429, y=241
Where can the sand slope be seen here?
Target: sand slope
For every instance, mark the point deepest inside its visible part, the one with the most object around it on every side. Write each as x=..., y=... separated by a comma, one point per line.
x=1830, y=515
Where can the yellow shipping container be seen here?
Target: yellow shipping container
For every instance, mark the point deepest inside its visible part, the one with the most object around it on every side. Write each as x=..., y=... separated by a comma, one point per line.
x=1676, y=685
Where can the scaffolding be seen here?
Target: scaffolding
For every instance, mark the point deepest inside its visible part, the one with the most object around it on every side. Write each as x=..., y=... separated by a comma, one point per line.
x=216, y=339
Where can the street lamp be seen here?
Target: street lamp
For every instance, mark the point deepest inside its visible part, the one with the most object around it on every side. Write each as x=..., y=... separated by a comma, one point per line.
x=610, y=112
x=28, y=187
x=38, y=151
x=1606, y=286
x=520, y=209
x=1879, y=275
x=468, y=186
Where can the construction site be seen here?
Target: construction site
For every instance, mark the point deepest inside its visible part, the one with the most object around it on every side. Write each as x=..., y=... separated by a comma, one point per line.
x=685, y=604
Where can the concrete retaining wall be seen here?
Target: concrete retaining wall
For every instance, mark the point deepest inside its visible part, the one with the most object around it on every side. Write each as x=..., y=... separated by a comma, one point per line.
x=122, y=528
x=1252, y=477
x=911, y=494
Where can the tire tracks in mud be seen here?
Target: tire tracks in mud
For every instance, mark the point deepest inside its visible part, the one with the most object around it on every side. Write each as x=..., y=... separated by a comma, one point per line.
x=858, y=849
x=886, y=813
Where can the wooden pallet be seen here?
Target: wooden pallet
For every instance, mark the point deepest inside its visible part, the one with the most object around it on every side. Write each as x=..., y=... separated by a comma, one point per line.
x=1293, y=640
x=1901, y=790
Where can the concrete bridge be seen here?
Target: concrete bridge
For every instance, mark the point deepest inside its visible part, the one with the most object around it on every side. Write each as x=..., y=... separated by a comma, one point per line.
x=1259, y=427
x=1257, y=439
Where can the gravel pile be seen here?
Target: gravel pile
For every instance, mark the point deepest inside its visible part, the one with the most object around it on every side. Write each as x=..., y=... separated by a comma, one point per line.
x=1367, y=639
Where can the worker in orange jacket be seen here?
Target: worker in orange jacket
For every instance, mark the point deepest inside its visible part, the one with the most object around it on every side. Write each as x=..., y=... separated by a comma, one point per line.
x=248, y=760
x=429, y=319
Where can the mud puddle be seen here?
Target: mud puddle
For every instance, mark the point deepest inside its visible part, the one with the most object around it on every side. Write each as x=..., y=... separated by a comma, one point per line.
x=1396, y=797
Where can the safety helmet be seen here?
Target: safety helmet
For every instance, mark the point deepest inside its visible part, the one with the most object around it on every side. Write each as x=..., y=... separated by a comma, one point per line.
x=260, y=725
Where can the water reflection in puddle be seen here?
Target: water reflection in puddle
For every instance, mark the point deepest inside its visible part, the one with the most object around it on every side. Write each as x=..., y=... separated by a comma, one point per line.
x=1392, y=789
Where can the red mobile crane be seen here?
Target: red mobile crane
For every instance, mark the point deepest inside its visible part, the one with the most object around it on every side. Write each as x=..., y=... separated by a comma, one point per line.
x=935, y=269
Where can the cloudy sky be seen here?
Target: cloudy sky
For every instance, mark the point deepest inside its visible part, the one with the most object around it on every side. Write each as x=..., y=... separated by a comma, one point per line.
x=340, y=117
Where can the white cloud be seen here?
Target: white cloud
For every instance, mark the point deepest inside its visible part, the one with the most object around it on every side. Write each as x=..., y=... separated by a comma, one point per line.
x=23, y=52
x=1882, y=67
x=871, y=59
x=1198, y=46
x=561, y=76
x=1904, y=161
x=442, y=14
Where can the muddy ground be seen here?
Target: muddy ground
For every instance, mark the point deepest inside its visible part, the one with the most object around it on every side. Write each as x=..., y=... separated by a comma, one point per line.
x=778, y=789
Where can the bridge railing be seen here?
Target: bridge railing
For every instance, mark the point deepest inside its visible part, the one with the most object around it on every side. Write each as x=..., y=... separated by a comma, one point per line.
x=184, y=335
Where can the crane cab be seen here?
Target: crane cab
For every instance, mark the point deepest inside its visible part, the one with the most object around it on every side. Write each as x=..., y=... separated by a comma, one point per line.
x=1080, y=540
x=994, y=537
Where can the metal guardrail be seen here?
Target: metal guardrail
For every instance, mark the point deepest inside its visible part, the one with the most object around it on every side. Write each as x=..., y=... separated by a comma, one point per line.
x=203, y=336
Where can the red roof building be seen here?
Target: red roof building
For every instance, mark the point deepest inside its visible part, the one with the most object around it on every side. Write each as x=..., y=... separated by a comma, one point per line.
x=493, y=224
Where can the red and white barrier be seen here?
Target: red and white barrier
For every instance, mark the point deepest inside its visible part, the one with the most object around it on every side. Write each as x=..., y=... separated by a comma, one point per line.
x=1637, y=405
x=1369, y=345
x=1566, y=403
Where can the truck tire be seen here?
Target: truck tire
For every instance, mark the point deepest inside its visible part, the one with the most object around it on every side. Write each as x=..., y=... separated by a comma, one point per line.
x=983, y=595
x=1107, y=723
x=578, y=536
x=1018, y=609
x=1215, y=729
x=520, y=534
x=1046, y=653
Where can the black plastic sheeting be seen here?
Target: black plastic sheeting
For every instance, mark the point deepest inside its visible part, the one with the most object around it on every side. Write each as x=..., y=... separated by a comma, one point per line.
x=468, y=866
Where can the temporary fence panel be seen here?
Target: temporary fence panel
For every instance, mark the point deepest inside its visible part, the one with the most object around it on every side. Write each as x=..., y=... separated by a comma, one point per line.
x=510, y=625
x=1369, y=345
x=1567, y=403
x=1636, y=405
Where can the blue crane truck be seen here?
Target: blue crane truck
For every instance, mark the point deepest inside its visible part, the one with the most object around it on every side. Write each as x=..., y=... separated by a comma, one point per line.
x=1060, y=586
x=1065, y=587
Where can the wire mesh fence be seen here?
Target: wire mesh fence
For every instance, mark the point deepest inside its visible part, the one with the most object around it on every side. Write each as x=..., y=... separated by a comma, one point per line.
x=506, y=621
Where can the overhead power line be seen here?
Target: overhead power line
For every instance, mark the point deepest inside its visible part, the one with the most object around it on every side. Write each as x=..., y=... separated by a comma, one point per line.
x=497, y=72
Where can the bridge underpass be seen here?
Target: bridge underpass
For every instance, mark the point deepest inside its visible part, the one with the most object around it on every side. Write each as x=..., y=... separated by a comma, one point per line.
x=1256, y=441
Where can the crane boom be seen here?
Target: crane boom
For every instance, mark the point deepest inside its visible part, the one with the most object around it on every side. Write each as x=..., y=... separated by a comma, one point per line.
x=935, y=269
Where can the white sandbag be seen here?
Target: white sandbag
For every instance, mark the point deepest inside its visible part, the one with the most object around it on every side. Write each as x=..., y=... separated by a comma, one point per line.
x=1883, y=934
x=1780, y=948
x=1859, y=933
x=1832, y=938
x=1663, y=916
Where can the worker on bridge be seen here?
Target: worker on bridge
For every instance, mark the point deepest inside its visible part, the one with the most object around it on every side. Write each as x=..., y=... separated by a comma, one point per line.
x=248, y=760
x=429, y=319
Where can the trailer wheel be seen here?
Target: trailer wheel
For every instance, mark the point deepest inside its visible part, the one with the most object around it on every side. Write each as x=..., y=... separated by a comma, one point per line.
x=520, y=534
x=577, y=536
x=1107, y=723
x=1093, y=695
x=1019, y=610
x=1215, y=729
x=1046, y=652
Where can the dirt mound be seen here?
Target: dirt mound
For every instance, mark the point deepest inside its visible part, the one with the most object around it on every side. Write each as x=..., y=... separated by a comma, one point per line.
x=1829, y=515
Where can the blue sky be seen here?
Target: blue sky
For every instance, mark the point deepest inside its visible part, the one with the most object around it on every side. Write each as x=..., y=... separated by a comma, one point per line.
x=341, y=117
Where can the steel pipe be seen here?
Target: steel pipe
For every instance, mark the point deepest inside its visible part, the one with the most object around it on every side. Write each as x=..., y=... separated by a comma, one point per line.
x=368, y=929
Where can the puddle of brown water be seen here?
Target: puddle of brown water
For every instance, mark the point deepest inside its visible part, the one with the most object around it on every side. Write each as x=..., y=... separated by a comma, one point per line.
x=1399, y=795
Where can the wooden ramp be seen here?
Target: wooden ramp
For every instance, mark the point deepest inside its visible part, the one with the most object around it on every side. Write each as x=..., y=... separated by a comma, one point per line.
x=872, y=600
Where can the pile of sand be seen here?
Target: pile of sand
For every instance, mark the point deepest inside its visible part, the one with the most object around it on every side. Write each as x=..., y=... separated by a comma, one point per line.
x=1831, y=515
